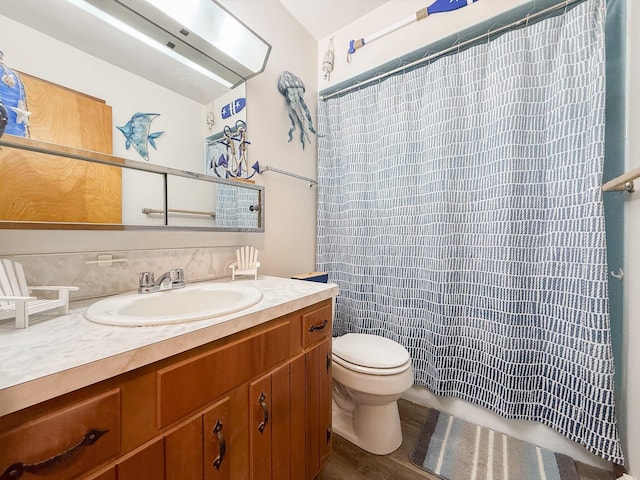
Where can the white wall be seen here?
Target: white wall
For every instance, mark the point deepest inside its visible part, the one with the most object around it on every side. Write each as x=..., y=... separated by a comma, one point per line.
x=290, y=225
x=425, y=32
x=288, y=244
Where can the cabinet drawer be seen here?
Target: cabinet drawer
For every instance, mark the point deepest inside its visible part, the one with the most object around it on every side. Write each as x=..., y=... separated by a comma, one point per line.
x=316, y=325
x=195, y=382
x=52, y=446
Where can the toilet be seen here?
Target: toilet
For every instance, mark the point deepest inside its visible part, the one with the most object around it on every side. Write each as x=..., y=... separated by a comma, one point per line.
x=369, y=375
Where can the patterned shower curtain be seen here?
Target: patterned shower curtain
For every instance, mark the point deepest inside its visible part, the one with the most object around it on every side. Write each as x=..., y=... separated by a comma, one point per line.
x=460, y=213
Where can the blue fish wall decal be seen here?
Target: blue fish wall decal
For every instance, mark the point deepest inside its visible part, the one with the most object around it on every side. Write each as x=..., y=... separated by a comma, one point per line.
x=136, y=132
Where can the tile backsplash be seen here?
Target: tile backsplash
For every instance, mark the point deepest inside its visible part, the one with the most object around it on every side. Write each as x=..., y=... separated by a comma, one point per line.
x=81, y=269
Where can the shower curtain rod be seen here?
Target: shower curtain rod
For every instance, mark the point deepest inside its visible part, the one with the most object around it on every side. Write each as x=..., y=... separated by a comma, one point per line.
x=562, y=5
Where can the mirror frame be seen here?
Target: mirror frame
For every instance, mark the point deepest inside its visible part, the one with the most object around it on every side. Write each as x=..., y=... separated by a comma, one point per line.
x=105, y=159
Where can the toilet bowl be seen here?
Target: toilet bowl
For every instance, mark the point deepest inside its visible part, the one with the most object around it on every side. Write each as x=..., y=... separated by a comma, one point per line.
x=369, y=375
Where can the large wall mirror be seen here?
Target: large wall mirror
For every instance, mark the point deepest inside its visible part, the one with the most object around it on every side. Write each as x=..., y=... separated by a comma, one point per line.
x=67, y=188
x=64, y=174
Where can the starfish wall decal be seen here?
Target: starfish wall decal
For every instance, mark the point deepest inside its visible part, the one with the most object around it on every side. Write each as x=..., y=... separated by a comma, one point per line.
x=22, y=115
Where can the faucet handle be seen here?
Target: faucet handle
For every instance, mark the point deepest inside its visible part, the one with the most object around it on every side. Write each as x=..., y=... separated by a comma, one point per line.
x=145, y=279
x=176, y=275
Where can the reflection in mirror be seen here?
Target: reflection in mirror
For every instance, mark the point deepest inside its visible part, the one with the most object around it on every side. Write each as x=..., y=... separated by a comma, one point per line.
x=194, y=203
x=237, y=206
x=142, y=190
x=200, y=56
x=42, y=187
x=144, y=195
x=191, y=202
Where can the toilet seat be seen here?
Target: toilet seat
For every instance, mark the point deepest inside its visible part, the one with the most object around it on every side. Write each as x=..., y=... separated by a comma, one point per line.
x=370, y=354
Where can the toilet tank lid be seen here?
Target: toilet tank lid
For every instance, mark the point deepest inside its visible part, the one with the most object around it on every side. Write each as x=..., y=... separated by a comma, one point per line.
x=370, y=350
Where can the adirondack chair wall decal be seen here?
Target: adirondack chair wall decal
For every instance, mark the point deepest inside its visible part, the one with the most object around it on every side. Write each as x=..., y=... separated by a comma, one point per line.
x=246, y=263
x=16, y=299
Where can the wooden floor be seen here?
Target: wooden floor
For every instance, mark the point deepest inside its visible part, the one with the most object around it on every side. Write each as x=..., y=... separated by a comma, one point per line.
x=349, y=462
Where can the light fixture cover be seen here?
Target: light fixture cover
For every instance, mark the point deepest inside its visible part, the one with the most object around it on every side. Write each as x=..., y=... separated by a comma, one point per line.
x=199, y=30
x=193, y=47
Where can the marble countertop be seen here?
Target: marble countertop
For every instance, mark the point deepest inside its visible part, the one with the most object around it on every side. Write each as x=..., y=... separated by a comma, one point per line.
x=59, y=354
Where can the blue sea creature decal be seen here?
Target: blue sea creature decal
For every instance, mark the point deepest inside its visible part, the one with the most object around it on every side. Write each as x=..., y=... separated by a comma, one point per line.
x=293, y=90
x=14, y=101
x=136, y=132
x=230, y=109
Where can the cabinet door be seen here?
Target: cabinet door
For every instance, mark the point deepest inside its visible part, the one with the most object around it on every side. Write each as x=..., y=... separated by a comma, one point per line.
x=184, y=452
x=260, y=422
x=297, y=381
x=147, y=464
x=217, y=441
x=318, y=410
x=281, y=422
x=325, y=401
x=270, y=425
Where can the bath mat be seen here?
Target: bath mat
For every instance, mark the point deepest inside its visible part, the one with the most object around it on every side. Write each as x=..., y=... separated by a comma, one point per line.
x=453, y=449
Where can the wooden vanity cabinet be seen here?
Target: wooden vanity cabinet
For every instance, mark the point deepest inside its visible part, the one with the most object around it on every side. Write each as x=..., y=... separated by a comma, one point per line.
x=254, y=405
x=316, y=326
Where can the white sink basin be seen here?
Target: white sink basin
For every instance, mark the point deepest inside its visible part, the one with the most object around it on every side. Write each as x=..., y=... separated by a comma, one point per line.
x=193, y=302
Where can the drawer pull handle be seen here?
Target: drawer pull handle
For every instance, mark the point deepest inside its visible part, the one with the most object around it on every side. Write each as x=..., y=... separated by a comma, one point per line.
x=16, y=470
x=313, y=328
x=265, y=411
x=222, y=446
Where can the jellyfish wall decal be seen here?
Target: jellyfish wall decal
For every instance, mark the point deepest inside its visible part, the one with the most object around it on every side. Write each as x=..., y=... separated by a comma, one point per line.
x=293, y=90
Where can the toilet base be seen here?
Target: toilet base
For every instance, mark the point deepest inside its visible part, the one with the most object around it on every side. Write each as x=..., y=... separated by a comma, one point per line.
x=374, y=428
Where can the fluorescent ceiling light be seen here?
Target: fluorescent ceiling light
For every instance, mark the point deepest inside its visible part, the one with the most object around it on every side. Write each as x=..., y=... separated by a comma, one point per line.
x=147, y=40
x=216, y=27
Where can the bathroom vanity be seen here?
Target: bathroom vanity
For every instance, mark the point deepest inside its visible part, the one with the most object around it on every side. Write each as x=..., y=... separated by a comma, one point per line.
x=243, y=396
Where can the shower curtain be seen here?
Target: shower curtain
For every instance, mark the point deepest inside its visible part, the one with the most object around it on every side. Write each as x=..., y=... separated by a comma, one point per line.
x=460, y=213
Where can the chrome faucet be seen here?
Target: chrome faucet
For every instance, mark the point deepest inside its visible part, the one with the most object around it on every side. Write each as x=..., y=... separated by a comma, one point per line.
x=167, y=281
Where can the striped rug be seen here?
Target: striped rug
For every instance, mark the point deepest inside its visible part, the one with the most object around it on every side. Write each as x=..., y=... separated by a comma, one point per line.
x=457, y=450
